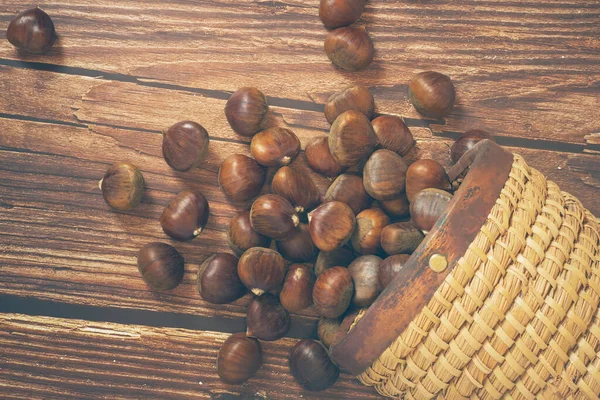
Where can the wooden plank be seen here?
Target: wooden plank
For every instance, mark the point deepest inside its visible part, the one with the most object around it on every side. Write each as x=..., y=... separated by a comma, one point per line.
x=523, y=69
x=52, y=358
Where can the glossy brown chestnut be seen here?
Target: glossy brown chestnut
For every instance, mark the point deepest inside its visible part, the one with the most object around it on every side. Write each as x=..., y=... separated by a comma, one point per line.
x=261, y=270
x=432, y=94
x=384, y=175
x=319, y=158
x=298, y=247
x=338, y=13
x=390, y=267
x=32, y=30
x=218, y=281
x=246, y=111
x=466, y=141
x=349, y=189
x=297, y=187
x=185, y=215
x=122, y=186
x=266, y=318
x=333, y=292
x=275, y=147
x=365, y=276
x=296, y=294
x=393, y=134
x=351, y=138
x=241, y=178
x=273, y=216
x=331, y=225
x=357, y=98
x=328, y=330
x=428, y=207
x=239, y=358
x=396, y=208
x=185, y=145
x=339, y=257
x=349, y=48
x=367, y=235
x=423, y=174
x=241, y=236
x=401, y=237
x=311, y=366
x=161, y=265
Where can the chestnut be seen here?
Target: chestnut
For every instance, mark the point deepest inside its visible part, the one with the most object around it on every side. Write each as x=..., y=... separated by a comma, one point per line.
x=349, y=48
x=266, y=318
x=241, y=178
x=432, y=94
x=239, y=358
x=185, y=215
x=338, y=13
x=393, y=134
x=273, y=216
x=218, y=281
x=275, y=147
x=331, y=225
x=351, y=138
x=246, y=111
x=122, y=186
x=328, y=330
x=297, y=187
x=396, y=208
x=319, y=158
x=161, y=265
x=384, y=175
x=185, y=145
x=428, y=207
x=311, y=366
x=296, y=294
x=298, y=247
x=401, y=237
x=349, y=189
x=357, y=98
x=466, y=141
x=333, y=292
x=423, y=174
x=390, y=267
x=261, y=270
x=241, y=236
x=32, y=30
x=369, y=224
x=341, y=257
x=365, y=276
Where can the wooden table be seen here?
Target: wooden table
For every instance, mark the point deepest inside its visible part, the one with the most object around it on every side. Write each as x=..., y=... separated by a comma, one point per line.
x=76, y=319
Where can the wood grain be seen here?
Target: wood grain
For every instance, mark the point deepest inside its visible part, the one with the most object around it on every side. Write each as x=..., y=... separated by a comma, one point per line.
x=52, y=358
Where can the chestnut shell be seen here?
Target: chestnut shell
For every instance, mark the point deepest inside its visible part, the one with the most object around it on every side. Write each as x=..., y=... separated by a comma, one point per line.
x=246, y=110
x=241, y=236
x=218, y=281
x=428, y=207
x=298, y=247
x=296, y=294
x=273, y=216
x=365, y=276
x=357, y=98
x=367, y=235
x=349, y=189
x=297, y=187
x=239, y=358
x=266, y=318
x=424, y=174
x=341, y=257
x=331, y=225
x=275, y=147
x=185, y=215
x=466, y=141
x=185, y=145
x=261, y=270
x=32, y=30
x=122, y=186
x=241, y=178
x=333, y=292
x=338, y=13
x=393, y=134
x=384, y=175
x=349, y=48
x=311, y=366
x=161, y=265
x=432, y=94
x=351, y=138
x=319, y=158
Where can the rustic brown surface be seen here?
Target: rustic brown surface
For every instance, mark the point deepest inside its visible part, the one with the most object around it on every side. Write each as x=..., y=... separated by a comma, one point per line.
x=528, y=71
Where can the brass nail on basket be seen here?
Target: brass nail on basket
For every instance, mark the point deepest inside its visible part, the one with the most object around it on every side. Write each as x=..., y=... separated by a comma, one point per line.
x=499, y=301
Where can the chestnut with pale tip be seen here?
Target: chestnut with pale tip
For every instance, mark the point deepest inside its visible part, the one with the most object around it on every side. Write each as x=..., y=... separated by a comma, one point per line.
x=432, y=94
x=218, y=281
x=311, y=366
x=298, y=247
x=122, y=186
x=261, y=270
x=275, y=147
x=339, y=257
x=185, y=145
x=390, y=267
x=160, y=265
x=351, y=138
x=246, y=111
x=266, y=318
x=393, y=134
x=357, y=98
x=241, y=178
x=367, y=235
x=349, y=189
x=185, y=215
x=333, y=291
x=32, y=30
x=273, y=216
x=428, y=207
x=331, y=225
x=401, y=237
x=297, y=187
x=396, y=208
x=296, y=294
x=338, y=13
x=349, y=48
x=241, y=236
x=466, y=141
x=384, y=175
x=239, y=358
x=365, y=276
x=424, y=174
x=328, y=330
x=319, y=158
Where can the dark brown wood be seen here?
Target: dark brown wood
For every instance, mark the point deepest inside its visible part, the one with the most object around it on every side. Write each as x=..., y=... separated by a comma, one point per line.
x=415, y=284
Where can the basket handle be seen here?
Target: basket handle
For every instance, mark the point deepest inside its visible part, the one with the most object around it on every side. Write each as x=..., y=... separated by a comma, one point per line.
x=416, y=283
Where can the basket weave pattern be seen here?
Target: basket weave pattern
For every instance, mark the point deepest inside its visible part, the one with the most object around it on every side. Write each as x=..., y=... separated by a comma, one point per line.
x=517, y=317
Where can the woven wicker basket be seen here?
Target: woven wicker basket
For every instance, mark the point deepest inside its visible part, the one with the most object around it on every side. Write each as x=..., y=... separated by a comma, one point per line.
x=515, y=313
